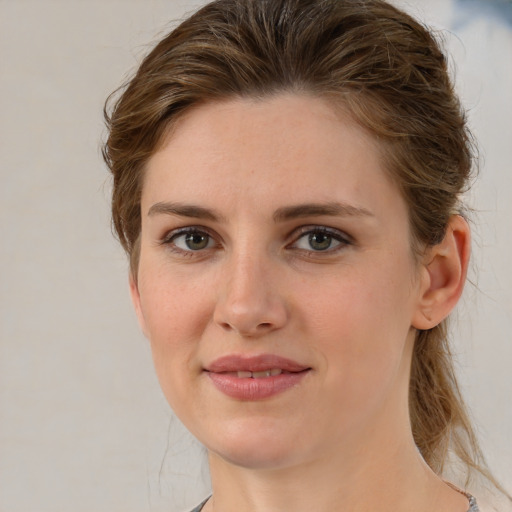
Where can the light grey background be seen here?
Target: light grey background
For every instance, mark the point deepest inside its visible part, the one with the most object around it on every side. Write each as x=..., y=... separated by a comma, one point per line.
x=83, y=425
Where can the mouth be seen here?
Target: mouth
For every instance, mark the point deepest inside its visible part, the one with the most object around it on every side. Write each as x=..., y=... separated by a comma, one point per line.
x=242, y=374
x=259, y=365
x=255, y=378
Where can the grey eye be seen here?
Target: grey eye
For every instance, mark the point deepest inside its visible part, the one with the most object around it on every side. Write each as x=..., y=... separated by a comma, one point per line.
x=320, y=241
x=317, y=241
x=193, y=241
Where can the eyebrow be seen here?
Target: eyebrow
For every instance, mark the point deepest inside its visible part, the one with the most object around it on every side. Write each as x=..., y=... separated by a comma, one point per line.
x=185, y=210
x=285, y=213
x=333, y=209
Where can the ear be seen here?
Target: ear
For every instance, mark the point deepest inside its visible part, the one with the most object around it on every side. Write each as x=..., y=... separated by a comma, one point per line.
x=135, y=294
x=443, y=275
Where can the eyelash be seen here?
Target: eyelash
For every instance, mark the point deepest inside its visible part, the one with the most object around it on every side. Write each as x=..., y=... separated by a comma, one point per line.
x=340, y=237
x=170, y=240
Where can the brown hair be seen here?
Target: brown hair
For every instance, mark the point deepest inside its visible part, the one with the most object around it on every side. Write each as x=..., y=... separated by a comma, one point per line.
x=377, y=62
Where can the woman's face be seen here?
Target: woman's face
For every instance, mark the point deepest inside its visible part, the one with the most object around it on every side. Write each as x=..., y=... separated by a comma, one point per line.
x=276, y=281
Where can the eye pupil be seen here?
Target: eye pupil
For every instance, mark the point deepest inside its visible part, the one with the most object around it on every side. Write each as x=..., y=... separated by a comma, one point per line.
x=197, y=241
x=320, y=241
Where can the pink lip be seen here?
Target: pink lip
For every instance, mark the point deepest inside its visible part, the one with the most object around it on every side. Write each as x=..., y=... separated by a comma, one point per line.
x=222, y=372
x=234, y=363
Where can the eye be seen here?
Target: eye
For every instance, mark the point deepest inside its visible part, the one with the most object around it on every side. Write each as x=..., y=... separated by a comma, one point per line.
x=320, y=239
x=190, y=240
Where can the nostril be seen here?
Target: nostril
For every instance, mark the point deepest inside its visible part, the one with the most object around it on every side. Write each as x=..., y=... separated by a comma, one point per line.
x=246, y=330
x=226, y=326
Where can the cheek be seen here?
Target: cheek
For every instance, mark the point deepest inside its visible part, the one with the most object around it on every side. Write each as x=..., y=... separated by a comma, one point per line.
x=359, y=300
x=362, y=345
x=172, y=303
x=361, y=323
x=176, y=312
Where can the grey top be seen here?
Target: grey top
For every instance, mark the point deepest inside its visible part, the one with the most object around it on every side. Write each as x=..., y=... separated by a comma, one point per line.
x=473, y=507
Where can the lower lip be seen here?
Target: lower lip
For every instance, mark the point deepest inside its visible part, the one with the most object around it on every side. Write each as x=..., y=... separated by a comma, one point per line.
x=255, y=389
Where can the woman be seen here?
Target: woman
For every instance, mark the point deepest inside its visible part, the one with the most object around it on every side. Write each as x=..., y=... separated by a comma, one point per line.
x=287, y=176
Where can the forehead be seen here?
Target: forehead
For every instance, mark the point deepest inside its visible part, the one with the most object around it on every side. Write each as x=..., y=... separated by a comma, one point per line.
x=289, y=147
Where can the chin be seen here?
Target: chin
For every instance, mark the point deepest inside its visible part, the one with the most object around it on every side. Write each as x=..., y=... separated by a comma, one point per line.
x=255, y=446
x=256, y=457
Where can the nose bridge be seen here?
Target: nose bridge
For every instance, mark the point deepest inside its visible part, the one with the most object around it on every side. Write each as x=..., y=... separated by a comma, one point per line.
x=249, y=302
x=248, y=279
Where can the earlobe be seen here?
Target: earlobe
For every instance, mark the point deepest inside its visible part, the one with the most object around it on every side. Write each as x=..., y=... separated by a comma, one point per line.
x=135, y=295
x=443, y=275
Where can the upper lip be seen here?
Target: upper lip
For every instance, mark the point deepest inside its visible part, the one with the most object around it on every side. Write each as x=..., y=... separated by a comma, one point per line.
x=259, y=363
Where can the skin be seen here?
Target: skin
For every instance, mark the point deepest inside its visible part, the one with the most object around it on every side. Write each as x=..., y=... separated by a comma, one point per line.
x=259, y=286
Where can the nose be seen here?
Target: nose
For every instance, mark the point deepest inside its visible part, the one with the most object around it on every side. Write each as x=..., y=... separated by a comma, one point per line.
x=249, y=302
